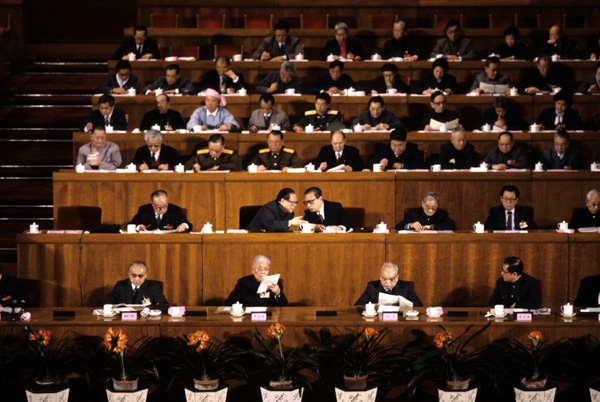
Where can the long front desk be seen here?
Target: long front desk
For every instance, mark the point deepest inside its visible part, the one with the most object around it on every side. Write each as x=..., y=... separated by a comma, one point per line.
x=218, y=197
x=457, y=269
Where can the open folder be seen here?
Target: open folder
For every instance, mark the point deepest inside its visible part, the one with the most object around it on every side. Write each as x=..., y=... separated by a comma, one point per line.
x=394, y=300
x=266, y=282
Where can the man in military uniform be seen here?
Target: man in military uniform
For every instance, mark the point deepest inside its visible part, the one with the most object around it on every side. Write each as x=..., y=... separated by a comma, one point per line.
x=276, y=156
x=215, y=157
x=321, y=118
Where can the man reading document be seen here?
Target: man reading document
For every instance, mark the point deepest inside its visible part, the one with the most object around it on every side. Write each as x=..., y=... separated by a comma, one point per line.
x=388, y=290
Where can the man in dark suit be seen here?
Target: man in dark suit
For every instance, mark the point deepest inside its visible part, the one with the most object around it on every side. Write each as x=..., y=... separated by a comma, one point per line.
x=509, y=215
x=277, y=215
x=543, y=78
x=561, y=116
x=515, y=289
x=161, y=215
x=163, y=116
x=106, y=115
x=506, y=155
x=457, y=153
x=502, y=116
x=121, y=81
x=588, y=294
x=278, y=82
x=280, y=46
x=339, y=153
x=142, y=46
x=155, y=155
x=246, y=287
x=388, y=283
x=325, y=214
x=591, y=85
x=223, y=78
x=557, y=44
x=171, y=83
x=428, y=217
x=398, y=154
x=388, y=80
x=589, y=216
x=12, y=292
x=334, y=82
x=137, y=289
x=377, y=118
x=560, y=156
x=342, y=46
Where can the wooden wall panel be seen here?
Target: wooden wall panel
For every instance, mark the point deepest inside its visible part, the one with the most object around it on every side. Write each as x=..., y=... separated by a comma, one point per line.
x=584, y=260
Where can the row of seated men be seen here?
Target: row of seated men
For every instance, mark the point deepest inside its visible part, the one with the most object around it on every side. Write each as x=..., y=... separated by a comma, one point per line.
x=281, y=46
x=544, y=78
x=514, y=289
x=399, y=153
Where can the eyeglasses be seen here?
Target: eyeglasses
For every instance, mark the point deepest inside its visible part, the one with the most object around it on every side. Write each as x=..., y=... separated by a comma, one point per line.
x=439, y=103
x=153, y=145
x=160, y=207
x=262, y=268
x=395, y=278
x=503, y=272
x=509, y=199
x=291, y=202
x=137, y=275
x=309, y=201
x=591, y=204
x=429, y=208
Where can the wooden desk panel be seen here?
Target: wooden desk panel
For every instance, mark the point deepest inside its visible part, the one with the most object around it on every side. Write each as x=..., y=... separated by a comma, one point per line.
x=322, y=269
x=466, y=197
x=374, y=193
x=584, y=257
x=457, y=271
x=203, y=198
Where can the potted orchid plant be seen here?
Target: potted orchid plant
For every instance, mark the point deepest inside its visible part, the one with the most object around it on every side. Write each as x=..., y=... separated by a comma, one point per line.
x=49, y=359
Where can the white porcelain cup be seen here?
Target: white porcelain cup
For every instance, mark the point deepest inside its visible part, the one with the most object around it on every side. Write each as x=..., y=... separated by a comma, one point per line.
x=34, y=228
x=310, y=167
x=392, y=91
x=131, y=56
x=237, y=308
x=358, y=128
x=479, y=227
x=534, y=128
x=331, y=57
x=174, y=310
x=207, y=228
x=499, y=309
x=252, y=168
x=564, y=225
x=382, y=227
x=306, y=228
x=197, y=128
x=300, y=56
x=369, y=308
x=436, y=168
x=107, y=309
x=156, y=127
x=290, y=91
x=556, y=90
x=483, y=165
x=109, y=129
x=242, y=92
x=376, y=57
x=179, y=168
x=439, y=56
x=514, y=92
x=131, y=92
x=567, y=309
x=131, y=168
x=237, y=57
x=309, y=128
x=443, y=128
x=555, y=57
x=377, y=167
x=486, y=128
x=158, y=91
x=80, y=168
x=539, y=167
x=593, y=166
x=131, y=228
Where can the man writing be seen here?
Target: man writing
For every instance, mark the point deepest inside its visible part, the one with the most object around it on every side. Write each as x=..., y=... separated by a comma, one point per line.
x=121, y=81
x=333, y=82
x=276, y=156
x=106, y=115
x=159, y=214
x=155, y=155
x=515, y=289
x=377, y=118
x=280, y=46
x=325, y=214
x=137, y=289
x=338, y=153
x=99, y=153
x=213, y=114
x=278, y=82
x=277, y=215
x=267, y=116
x=143, y=47
x=321, y=118
x=428, y=217
x=388, y=283
x=399, y=154
x=171, y=83
x=215, y=157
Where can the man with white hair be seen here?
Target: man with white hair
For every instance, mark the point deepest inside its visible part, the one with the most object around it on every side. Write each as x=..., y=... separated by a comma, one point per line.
x=388, y=283
x=246, y=288
x=401, y=45
x=155, y=155
x=589, y=216
x=428, y=217
x=213, y=114
x=277, y=82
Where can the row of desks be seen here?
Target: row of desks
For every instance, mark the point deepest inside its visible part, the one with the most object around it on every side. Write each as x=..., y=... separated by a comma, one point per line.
x=218, y=197
x=458, y=269
x=308, y=146
x=409, y=108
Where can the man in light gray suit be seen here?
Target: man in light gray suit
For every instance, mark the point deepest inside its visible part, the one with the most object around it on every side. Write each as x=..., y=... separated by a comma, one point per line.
x=265, y=117
x=280, y=46
x=99, y=153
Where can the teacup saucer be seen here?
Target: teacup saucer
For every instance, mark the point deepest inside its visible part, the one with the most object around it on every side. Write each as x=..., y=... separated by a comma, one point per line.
x=498, y=315
x=433, y=316
x=112, y=314
x=411, y=313
x=364, y=313
x=568, y=316
x=237, y=315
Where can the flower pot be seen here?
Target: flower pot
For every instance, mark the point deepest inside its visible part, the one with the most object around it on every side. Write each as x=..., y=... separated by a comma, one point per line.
x=47, y=393
x=534, y=395
x=457, y=395
x=367, y=395
x=457, y=385
x=594, y=393
x=528, y=383
x=281, y=384
x=351, y=382
x=206, y=385
x=216, y=395
x=44, y=382
x=125, y=385
x=280, y=395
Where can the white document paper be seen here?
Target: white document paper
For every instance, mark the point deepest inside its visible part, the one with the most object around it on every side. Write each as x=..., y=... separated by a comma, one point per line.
x=394, y=300
x=435, y=125
x=493, y=89
x=266, y=281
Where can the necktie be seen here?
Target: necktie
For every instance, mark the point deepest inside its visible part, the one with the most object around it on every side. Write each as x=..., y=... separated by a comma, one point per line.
x=158, y=220
x=153, y=157
x=135, y=292
x=343, y=49
x=222, y=85
x=267, y=120
x=139, y=51
x=509, y=222
x=337, y=157
x=321, y=217
x=106, y=121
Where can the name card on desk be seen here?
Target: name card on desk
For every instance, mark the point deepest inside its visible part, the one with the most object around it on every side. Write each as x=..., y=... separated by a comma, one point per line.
x=259, y=316
x=129, y=316
x=390, y=316
x=523, y=316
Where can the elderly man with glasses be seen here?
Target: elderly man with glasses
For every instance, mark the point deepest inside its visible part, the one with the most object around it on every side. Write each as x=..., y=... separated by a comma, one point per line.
x=325, y=214
x=246, y=288
x=388, y=283
x=161, y=215
x=589, y=216
x=509, y=215
x=155, y=155
x=515, y=289
x=277, y=215
x=137, y=289
x=428, y=217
